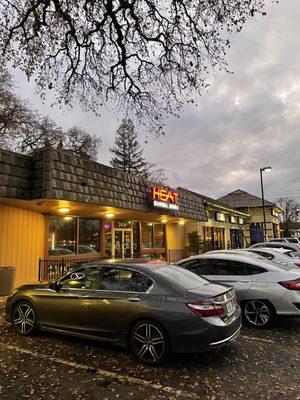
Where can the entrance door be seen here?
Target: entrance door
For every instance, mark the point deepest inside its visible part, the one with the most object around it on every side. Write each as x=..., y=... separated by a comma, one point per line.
x=123, y=243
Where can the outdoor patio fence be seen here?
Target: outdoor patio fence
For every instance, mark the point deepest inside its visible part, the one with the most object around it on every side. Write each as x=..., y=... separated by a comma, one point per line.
x=55, y=268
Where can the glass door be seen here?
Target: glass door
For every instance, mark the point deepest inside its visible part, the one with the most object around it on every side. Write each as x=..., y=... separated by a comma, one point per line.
x=123, y=243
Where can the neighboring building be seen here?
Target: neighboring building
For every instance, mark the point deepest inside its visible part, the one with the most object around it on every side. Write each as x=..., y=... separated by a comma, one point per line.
x=57, y=210
x=224, y=228
x=254, y=227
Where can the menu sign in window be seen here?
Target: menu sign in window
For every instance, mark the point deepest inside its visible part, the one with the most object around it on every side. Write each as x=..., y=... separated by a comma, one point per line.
x=165, y=198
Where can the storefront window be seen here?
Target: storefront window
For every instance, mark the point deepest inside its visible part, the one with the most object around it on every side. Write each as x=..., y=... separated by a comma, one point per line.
x=219, y=238
x=62, y=236
x=147, y=236
x=153, y=235
x=88, y=236
x=214, y=238
x=159, y=235
x=71, y=235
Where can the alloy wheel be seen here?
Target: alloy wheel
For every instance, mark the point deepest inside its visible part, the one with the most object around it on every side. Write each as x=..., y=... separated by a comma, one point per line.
x=24, y=319
x=148, y=343
x=257, y=313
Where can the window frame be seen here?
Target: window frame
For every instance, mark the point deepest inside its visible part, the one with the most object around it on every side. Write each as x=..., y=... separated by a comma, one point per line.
x=124, y=291
x=76, y=255
x=214, y=260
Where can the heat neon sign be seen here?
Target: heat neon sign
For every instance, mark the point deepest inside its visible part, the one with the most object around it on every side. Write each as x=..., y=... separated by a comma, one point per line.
x=164, y=198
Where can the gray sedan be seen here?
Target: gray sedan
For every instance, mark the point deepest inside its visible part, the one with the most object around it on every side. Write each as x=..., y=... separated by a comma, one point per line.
x=263, y=289
x=152, y=309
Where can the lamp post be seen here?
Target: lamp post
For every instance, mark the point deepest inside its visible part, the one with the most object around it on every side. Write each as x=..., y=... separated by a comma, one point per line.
x=264, y=169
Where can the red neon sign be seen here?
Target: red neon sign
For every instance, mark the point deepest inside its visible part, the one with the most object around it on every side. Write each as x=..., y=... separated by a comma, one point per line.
x=164, y=195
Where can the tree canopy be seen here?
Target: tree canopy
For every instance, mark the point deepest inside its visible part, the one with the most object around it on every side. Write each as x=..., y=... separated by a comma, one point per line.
x=291, y=214
x=127, y=154
x=23, y=128
x=149, y=56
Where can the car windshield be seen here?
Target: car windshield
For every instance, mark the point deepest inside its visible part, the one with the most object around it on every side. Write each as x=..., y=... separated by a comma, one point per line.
x=181, y=277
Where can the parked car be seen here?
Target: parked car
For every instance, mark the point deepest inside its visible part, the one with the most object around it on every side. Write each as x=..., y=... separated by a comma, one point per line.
x=276, y=245
x=279, y=256
x=264, y=290
x=286, y=240
x=60, y=251
x=152, y=309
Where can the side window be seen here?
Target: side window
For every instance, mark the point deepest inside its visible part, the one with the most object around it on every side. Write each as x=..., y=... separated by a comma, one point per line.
x=227, y=267
x=265, y=255
x=199, y=267
x=124, y=280
x=84, y=278
x=254, y=269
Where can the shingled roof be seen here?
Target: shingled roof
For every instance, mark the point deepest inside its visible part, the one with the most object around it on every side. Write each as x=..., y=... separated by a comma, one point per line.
x=56, y=174
x=241, y=199
x=214, y=202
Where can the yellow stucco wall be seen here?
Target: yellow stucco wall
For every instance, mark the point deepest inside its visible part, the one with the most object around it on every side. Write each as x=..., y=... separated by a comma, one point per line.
x=22, y=234
x=175, y=236
x=256, y=216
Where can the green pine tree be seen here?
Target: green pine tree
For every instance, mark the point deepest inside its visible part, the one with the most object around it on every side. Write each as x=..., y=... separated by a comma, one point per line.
x=127, y=154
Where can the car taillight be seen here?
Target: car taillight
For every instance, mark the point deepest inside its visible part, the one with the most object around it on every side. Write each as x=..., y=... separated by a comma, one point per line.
x=206, y=309
x=297, y=265
x=291, y=285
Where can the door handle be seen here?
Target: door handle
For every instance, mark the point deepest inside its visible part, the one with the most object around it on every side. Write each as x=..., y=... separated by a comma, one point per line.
x=244, y=281
x=134, y=299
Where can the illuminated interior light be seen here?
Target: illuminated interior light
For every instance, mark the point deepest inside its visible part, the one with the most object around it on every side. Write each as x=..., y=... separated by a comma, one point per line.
x=64, y=210
x=109, y=215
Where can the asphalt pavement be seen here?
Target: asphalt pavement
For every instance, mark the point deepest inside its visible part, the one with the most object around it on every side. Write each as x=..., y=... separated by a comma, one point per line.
x=260, y=364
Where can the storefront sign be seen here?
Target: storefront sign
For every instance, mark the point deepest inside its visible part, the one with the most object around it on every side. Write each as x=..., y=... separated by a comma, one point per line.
x=164, y=198
x=122, y=224
x=220, y=217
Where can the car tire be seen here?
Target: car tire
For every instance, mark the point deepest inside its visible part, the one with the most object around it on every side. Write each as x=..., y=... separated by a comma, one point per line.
x=24, y=319
x=149, y=342
x=258, y=313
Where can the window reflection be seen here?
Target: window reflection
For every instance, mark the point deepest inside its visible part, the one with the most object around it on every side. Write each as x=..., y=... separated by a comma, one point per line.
x=62, y=236
x=88, y=236
x=147, y=240
x=153, y=235
x=159, y=235
x=64, y=240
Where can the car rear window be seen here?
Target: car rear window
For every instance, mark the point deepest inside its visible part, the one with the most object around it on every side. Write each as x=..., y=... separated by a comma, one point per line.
x=181, y=277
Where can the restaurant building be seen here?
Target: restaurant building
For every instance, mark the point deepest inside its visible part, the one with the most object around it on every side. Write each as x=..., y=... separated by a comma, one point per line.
x=224, y=227
x=58, y=210
x=251, y=204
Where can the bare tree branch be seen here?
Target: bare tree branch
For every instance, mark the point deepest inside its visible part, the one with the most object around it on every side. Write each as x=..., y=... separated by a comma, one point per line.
x=145, y=56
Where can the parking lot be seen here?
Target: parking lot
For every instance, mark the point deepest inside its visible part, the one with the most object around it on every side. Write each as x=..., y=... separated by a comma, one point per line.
x=258, y=365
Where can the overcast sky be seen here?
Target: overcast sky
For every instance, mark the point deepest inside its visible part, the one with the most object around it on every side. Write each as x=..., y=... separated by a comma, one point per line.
x=246, y=121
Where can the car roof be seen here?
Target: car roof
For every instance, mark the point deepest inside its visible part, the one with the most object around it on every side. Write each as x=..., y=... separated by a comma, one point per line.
x=236, y=257
x=286, y=245
x=139, y=267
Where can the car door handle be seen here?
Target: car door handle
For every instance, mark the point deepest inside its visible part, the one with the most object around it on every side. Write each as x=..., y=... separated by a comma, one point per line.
x=134, y=299
x=244, y=281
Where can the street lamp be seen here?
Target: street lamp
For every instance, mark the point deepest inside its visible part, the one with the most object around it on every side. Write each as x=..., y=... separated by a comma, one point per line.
x=264, y=169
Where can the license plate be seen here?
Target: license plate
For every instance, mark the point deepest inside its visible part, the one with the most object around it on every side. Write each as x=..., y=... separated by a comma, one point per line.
x=229, y=308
